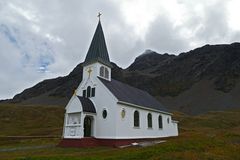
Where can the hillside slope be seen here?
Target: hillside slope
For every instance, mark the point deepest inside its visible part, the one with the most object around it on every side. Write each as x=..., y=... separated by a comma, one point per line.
x=209, y=74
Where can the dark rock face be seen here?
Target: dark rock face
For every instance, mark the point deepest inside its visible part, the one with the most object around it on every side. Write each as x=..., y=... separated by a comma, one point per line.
x=175, y=74
x=149, y=60
x=160, y=75
x=59, y=87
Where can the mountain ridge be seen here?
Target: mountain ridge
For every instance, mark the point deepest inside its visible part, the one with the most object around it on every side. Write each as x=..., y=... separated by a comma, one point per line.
x=162, y=75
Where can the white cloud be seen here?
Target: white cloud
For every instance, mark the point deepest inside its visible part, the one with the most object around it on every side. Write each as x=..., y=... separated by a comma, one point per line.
x=233, y=14
x=49, y=38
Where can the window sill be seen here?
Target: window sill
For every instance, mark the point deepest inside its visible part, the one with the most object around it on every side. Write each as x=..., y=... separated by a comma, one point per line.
x=150, y=128
x=136, y=127
x=73, y=125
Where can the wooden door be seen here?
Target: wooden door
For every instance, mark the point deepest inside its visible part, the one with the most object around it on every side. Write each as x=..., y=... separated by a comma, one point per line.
x=87, y=126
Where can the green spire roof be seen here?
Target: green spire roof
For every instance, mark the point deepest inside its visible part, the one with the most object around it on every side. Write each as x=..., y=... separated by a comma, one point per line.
x=97, y=51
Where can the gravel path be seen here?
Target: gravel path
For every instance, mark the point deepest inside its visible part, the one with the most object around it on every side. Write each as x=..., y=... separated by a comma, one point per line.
x=25, y=148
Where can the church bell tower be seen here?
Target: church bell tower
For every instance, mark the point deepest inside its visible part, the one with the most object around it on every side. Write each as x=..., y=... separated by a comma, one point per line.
x=97, y=63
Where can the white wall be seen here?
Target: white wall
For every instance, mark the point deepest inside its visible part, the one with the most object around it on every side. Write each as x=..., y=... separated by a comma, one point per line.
x=103, y=128
x=126, y=129
x=95, y=67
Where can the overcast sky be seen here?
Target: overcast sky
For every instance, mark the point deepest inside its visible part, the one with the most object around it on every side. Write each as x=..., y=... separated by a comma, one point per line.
x=42, y=39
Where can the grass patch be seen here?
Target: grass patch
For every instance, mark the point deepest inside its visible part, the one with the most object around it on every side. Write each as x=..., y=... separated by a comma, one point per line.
x=212, y=136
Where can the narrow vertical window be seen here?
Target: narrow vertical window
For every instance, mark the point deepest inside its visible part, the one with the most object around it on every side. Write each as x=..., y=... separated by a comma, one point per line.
x=160, y=125
x=88, y=91
x=102, y=71
x=106, y=73
x=93, y=92
x=136, y=119
x=149, y=118
x=84, y=93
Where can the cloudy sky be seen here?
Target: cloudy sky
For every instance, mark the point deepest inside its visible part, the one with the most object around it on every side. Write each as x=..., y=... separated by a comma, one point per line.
x=42, y=39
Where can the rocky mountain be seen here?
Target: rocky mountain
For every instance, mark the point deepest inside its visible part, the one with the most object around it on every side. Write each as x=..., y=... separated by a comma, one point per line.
x=203, y=79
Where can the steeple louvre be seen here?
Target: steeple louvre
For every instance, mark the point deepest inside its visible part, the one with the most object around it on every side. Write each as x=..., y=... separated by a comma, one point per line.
x=97, y=51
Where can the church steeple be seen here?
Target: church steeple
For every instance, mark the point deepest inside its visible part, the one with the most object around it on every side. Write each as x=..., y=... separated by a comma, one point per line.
x=97, y=51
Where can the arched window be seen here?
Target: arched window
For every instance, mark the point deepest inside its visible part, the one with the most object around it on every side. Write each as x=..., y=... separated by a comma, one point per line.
x=106, y=73
x=149, y=118
x=88, y=91
x=160, y=125
x=102, y=71
x=136, y=119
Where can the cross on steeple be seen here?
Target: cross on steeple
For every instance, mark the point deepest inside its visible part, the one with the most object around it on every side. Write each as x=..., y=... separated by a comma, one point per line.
x=99, y=15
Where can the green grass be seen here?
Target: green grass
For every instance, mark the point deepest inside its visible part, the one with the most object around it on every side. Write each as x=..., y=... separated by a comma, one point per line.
x=30, y=120
x=212, y=136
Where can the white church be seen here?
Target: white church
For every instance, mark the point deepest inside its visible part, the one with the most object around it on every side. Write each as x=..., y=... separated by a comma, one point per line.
x=104, y=111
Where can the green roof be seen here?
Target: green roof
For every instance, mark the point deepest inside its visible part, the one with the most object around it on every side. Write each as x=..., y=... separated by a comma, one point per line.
x=97, y=51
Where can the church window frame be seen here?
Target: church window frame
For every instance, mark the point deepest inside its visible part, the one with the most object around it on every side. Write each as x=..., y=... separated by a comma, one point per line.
x=149, y=120
x=106, y=73
x=73, y=119
x=101, y=71
x=136, y=119
x=160, y=122
x=89, y=91
x=104, y=113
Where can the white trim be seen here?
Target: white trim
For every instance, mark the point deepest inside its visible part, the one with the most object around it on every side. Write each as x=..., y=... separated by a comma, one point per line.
x=73, y=137
x=103, y=78
x=132, y=138
x=150, y=109
x=73, y=125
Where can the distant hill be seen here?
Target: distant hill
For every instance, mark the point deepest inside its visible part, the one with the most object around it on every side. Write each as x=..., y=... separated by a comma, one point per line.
x=201, y=80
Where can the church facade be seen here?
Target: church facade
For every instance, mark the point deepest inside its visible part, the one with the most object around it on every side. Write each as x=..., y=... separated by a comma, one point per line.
x=104, y=111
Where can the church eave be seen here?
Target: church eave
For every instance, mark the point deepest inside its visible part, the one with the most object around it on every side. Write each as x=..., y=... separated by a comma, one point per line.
x=97, y=60
x=143, y=107
x=87, y=105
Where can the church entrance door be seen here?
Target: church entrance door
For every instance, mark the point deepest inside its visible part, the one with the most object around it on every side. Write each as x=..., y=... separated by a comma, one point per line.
x=87, y=126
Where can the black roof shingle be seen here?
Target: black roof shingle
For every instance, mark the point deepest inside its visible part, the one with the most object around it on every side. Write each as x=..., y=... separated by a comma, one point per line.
x=87, y=104
x=126, y=93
